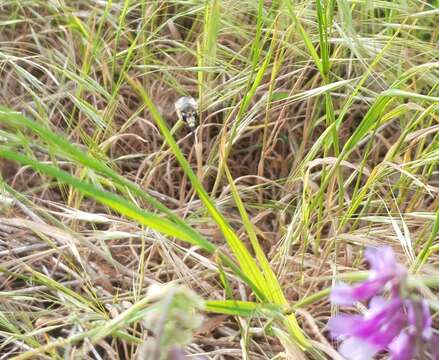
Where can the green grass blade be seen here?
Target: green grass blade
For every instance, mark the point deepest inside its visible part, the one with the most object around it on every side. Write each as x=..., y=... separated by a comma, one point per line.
x=246, y=261
x=63, y=146
x=426, y=250
x=243, y=308
x=131, y=211
x=113, y=201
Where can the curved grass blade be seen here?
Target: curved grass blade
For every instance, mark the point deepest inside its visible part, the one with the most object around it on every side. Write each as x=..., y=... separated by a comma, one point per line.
x=275, y=293
x=131, y=211
x=245, y=260
x=247, y=263
x=64, y=147
x=243, y=308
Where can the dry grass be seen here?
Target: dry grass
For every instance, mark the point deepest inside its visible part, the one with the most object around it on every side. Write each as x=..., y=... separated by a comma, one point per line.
x=315, y=196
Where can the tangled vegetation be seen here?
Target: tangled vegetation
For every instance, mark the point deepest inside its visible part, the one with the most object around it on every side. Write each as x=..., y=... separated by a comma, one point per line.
x=317, y=137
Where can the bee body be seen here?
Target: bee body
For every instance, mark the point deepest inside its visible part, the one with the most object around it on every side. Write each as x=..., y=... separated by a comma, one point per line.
x=187, y=110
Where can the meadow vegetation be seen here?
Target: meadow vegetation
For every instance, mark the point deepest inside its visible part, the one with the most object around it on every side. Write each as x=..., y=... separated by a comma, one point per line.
x=318, y=137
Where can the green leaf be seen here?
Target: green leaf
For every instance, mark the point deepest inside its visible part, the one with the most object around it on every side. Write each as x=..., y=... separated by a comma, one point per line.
x=131, y=211
x=245, y=260
x=247, y=263
x=243, y=308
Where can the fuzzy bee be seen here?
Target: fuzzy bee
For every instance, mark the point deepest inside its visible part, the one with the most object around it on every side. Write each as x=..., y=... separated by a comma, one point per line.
x=187, y=110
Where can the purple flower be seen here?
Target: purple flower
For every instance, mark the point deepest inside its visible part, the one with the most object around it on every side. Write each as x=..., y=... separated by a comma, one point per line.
x=384, y=271
x=417, y=335
x=399, y=324
x=372, y=332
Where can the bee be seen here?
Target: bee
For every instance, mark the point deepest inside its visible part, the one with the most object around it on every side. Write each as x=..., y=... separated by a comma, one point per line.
x=187, y=110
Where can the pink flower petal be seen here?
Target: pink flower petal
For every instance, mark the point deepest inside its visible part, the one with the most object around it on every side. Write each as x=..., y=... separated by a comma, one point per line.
x=402, y=347
x=357, y=349
x=380, y=258
x=419, y=318
x=400, y=324
x=347, y=295
x=427, y=331
x=376, y=304
x=384, y=270
x=343, y=325
x=388, y=331
x=378, y=327
x=383, y=263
